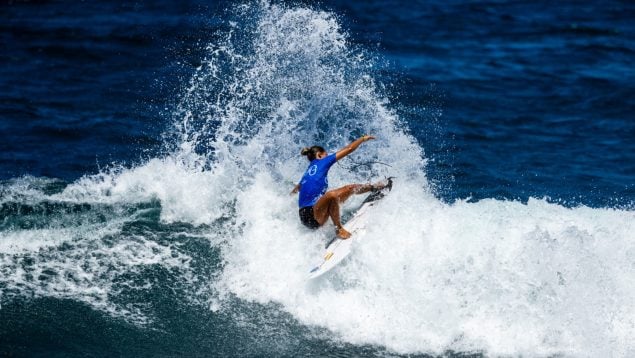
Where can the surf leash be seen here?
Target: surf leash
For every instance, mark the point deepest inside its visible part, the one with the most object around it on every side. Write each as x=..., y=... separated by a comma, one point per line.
x=367, y=164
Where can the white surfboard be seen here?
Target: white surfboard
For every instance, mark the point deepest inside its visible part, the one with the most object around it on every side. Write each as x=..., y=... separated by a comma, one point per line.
x=338, y=249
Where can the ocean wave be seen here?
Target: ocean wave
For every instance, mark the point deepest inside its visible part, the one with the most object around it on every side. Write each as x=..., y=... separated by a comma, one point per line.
x=492, y=276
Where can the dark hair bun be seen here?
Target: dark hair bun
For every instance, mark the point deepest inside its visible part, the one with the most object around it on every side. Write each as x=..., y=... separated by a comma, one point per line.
x=305, y=151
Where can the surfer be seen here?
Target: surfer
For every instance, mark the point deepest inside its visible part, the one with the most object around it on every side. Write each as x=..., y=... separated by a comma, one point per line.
x=316, y=203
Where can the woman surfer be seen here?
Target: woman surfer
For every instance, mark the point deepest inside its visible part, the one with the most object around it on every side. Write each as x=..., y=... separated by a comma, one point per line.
x=317, y=204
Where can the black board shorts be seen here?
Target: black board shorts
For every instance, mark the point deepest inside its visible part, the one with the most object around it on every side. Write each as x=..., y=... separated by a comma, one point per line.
x=307, y=218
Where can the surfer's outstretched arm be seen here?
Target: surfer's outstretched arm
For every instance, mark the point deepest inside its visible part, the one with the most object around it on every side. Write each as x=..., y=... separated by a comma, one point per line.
x=351, y=147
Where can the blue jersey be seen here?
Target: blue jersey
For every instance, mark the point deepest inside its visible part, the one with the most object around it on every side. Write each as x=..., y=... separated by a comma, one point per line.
x=314, y=182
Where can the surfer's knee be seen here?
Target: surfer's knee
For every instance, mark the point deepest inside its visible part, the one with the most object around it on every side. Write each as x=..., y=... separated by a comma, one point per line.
x=331, y=196
x=334, y=201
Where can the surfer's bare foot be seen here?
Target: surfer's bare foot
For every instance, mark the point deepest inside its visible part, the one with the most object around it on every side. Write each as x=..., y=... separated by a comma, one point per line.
x=342, y=233
x=382, y=184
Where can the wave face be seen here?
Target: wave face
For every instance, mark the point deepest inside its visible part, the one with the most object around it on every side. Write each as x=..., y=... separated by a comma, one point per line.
x=213, y=221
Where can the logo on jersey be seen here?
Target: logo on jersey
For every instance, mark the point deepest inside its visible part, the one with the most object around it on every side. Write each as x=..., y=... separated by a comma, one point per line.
x=312, y=170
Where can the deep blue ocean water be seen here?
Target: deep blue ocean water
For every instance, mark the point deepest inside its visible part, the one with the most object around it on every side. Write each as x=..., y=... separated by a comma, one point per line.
x=511, y=103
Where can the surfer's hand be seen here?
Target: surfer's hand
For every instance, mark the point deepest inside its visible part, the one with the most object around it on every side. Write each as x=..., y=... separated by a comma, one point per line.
x=366, y=137
x=295, y=190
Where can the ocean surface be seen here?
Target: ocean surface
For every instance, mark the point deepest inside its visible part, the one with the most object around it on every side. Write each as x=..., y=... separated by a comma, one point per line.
x=148, y=149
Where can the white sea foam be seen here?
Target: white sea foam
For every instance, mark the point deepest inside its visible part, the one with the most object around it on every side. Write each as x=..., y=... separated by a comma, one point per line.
x=83, y=263
x=186, y=193
x=74, y=245
x=504, y=277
